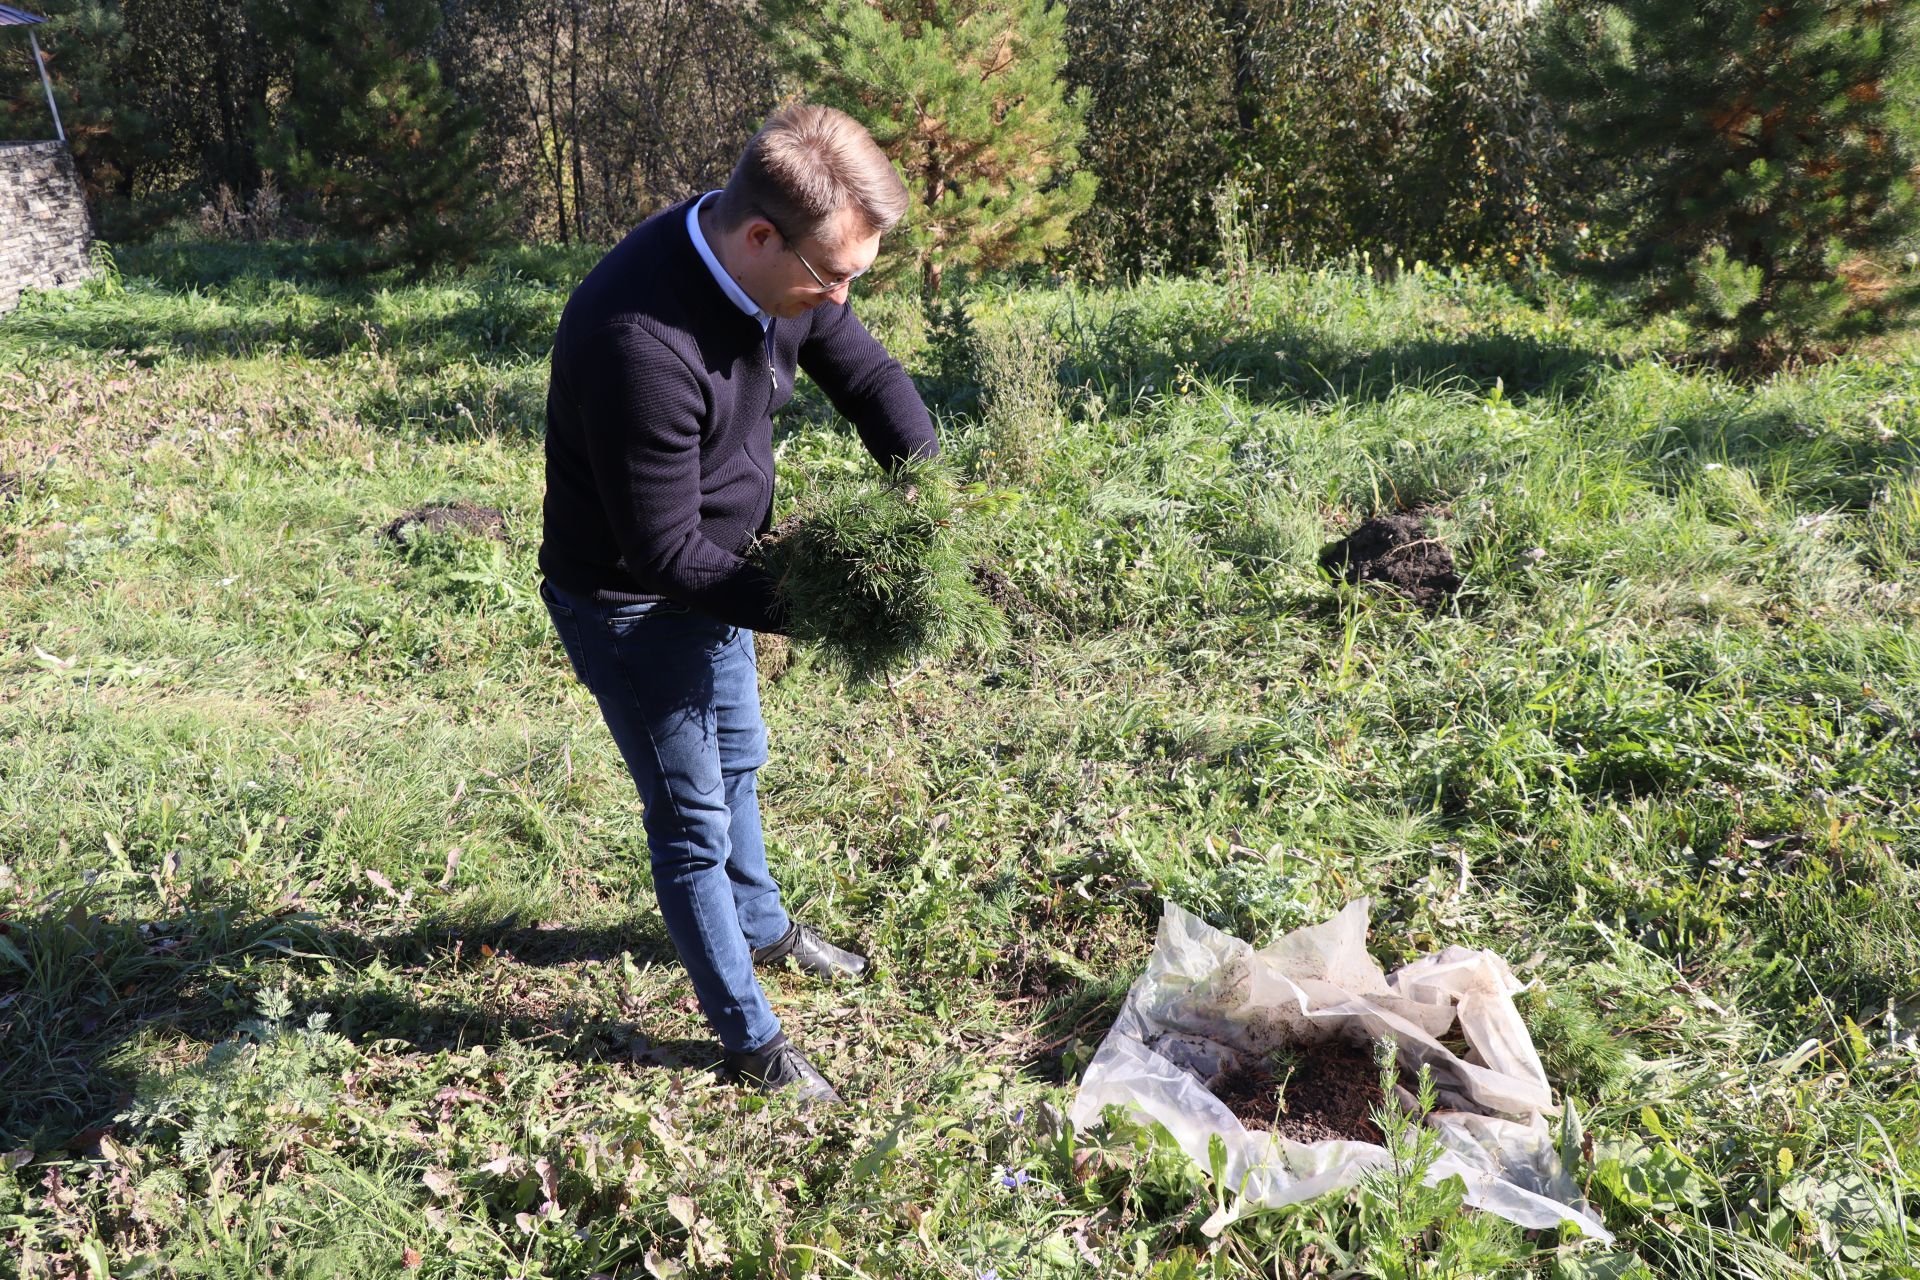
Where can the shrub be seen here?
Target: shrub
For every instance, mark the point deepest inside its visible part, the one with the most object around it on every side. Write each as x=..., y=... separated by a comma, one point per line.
x=1397, y=128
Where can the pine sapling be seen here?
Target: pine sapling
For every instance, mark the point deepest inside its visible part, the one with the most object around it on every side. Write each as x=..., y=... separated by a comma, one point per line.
x=879, y=577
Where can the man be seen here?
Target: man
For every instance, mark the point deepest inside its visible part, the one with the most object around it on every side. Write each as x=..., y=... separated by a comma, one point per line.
x=669, y=360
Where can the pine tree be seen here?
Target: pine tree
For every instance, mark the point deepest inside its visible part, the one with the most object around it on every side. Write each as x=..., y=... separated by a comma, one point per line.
x=966, y=98
x=374, y=138
x=1765, y=154
x=88, y=56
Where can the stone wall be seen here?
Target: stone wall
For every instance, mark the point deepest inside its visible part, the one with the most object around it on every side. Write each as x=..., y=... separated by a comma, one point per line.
x=44, y=229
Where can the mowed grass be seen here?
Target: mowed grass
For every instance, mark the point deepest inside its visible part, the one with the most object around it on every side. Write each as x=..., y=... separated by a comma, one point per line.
x=327, y=945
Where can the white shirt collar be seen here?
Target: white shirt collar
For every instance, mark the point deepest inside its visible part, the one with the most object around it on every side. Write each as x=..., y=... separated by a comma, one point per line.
x=735, y=294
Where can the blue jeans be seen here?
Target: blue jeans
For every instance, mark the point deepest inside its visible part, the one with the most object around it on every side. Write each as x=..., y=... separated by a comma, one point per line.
x=681, y=695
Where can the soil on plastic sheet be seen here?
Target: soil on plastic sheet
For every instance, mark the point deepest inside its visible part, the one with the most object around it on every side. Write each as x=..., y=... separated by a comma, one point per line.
x=1328, y=1095
x=451, y=517
x=1400, y=551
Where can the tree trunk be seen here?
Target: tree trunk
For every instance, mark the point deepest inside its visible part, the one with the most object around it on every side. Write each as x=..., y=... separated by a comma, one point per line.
x=1246, y=104
x=557, y=167
x=573, y=116
x=930, y=265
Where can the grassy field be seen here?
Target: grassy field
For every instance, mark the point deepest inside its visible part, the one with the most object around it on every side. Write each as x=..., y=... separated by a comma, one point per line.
x=326, y=940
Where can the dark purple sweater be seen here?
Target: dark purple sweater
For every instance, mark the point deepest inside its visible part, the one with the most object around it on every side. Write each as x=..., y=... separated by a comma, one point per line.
x=659, y=428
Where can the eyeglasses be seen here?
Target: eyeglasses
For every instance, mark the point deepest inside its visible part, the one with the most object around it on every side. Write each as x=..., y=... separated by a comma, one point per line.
x=843, y=282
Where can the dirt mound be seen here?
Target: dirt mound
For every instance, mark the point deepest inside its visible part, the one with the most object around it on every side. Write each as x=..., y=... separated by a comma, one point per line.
x=453, y=517
x=1400, y=551
x=998, y=588
x=1324, y=1093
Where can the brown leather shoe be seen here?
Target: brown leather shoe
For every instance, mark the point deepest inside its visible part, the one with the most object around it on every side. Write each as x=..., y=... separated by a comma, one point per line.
x=812, y=954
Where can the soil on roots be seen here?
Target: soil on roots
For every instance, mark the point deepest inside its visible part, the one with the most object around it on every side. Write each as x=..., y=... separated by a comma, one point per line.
x=1400, y=551
x=1327, y=1092
x=772, y=654
x=454, y=517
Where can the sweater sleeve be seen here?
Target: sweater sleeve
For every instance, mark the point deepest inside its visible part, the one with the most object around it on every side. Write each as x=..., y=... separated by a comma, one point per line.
x=867, y=386
x=641, y=409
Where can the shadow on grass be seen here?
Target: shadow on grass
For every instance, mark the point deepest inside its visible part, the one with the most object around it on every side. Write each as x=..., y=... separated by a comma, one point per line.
x=1844, y=467
x=77, y=990
x=208, y=264
x=202, y=301
x=1069, y=1026
x=1292, y=364
x=197, y=301
x=499, y=323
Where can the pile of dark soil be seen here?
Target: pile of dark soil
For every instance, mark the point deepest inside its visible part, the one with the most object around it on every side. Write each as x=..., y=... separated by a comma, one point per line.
x=1325, y=1093
x=453, y=517
x=999, y=589
x=1400, y=551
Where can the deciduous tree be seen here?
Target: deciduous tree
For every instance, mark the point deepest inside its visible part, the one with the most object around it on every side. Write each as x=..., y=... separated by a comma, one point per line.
x=1404, y=127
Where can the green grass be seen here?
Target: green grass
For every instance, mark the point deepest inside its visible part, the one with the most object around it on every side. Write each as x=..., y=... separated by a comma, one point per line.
x=326, y=941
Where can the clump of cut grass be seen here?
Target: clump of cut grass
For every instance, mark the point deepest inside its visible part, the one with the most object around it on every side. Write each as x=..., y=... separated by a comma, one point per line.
x=880, y=577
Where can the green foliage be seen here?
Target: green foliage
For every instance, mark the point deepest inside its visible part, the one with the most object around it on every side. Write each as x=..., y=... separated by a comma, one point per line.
x=966, y=98
x=878, y=577
x=89, y=57
x=373, y=142
x=1161, y=119
x=160, y=102
x=1397, y=1206
x=1723, y=286
x=1582, y=1056
x=1649, y=1177
x=1249, y=897
x=472, y=569
x=1762, y=160
x=1393, y=129
x=1399, y=130
x=1396, y=1224
x=1021, y=415
x=255, y=1092
x=213, y=73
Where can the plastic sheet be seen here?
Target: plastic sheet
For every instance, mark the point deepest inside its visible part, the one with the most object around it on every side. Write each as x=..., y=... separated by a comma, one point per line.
x=1208, y=1000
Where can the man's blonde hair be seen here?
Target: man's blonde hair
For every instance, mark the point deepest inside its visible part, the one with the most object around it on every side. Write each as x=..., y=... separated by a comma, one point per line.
x=805, y=165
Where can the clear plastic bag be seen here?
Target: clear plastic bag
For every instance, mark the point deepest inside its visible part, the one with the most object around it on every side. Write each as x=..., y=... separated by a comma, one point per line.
x=1208, y=1000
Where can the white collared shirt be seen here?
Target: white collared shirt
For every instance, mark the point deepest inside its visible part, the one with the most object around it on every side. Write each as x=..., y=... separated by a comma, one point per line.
x=735, y=294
